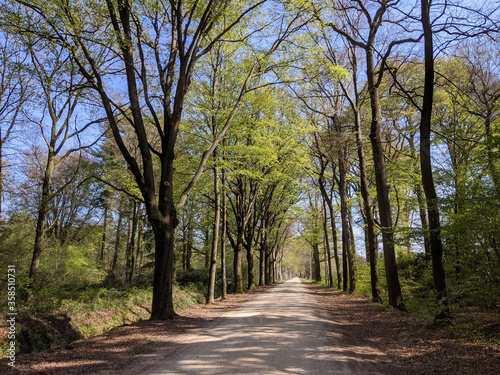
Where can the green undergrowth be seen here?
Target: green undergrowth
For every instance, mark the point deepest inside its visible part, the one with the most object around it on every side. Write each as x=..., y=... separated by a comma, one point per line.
x=469, y=323
x=59, y=315
x=472, y=324
x=307, y=281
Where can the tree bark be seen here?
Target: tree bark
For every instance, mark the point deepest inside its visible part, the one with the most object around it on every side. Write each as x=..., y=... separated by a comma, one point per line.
x=328, y=200
x=393, y=285
x=327, y=245
x=421, y=203
x=163, y=307
x=352, y=258
x=316, y=270
x=267, y=262
x=104, y=229
x=237, y=273
x=347, y=258
x=129, y=255
x=223, y=235
x=117, y=239
x=139, y=254
x=189, y=244
x=263, y=252
x=426, y=166
x=42, y=214
x=215, y=236
x=370, y=230
x=246, y=195
x=251, y=265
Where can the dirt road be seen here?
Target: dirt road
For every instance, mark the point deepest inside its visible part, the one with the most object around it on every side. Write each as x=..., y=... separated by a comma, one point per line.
x=282, y=331
x=289, y=328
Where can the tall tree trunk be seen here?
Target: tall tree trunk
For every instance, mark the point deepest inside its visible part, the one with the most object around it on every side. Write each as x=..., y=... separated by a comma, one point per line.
x=393, y=285
x=423, y=219
x=352, y=258
x=370, y=230
x=249, y=243
x=329, y=203
x=273, y=265
x=129, y=256
x=316, y=263
x=335, y=244
x=184, y=246
x=347, y=258
x=243, y=211
x=426, y=166
x=104, y=229
x=238, y=252
x=207, y=247
x=251, y=265
x=315, y=242
x=263, y=280
x=215, y=236
x=223, y=236
x=117, y=239
x=262, y=252
x=139, y=254
x=345, y=267
x=163, y=306
x=327, y=245
x=268, y=266
x=421, y=201
x=42, y=214
x=189, y=245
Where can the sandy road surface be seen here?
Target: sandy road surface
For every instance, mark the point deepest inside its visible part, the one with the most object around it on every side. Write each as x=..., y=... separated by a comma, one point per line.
x=278, y=332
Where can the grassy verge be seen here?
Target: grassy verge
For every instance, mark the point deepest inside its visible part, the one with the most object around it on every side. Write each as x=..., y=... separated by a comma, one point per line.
x=64, y=314
x=471, y=324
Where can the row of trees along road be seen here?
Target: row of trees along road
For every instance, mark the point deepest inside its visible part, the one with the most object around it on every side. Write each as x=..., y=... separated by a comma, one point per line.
x=172, y=136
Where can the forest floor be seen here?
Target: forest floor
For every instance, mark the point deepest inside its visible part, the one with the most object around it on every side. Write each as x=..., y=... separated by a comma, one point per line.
x=390, y=341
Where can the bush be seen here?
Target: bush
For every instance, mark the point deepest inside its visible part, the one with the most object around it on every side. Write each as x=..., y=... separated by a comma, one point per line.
x=194, y=276
x=35, y=339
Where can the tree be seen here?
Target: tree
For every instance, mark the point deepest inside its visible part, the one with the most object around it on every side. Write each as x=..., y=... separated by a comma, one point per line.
x=174, y=36
x=60, y=102
x=327, y=246
x=70, y=235
x=482, y=93
x=436, y=245
x=327, y=199
x=314, y=237
x=341, y=144
x=374, y=19
x=354, y=99
x=224, y=229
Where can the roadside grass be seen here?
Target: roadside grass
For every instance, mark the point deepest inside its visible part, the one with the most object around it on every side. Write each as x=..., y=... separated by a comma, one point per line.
x=59, y=315
x=308, y=281
x=471, y=324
